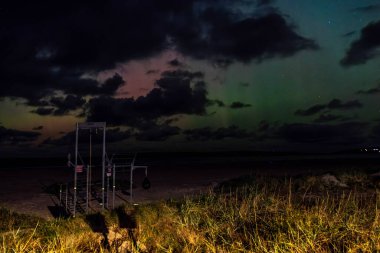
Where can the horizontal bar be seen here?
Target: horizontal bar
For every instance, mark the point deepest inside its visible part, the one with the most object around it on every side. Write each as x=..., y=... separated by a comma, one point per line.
x=88, y=125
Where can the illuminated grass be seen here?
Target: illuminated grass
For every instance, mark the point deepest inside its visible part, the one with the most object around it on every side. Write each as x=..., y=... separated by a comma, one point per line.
x=247, y=215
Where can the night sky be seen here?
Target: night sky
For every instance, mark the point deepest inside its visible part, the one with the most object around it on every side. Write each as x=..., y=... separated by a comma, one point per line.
x=191, y=75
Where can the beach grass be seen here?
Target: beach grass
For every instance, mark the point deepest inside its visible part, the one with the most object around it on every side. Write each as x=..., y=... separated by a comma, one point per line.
x=248, y=214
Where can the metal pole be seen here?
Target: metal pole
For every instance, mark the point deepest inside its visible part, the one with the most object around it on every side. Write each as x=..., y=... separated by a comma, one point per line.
x=90, y=168
x=113, y=187
x=103, y=163
x=108, y=186
x=87, y=187
x=130, y=187
x=75, y=171
x=60, y=194
x=67, y=193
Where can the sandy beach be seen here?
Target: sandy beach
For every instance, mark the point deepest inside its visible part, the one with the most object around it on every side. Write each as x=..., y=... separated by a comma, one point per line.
x=24, y=189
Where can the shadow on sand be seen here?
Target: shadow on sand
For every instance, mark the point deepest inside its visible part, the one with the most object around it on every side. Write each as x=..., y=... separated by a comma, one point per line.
x=58, y=211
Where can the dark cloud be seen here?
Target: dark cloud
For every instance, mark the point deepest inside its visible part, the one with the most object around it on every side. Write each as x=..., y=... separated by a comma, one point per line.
x=81, y=35
x=113, y=111
x=370, y=91
x=157, y=133
x=222, y=63
x=82, y=87
x=266, y=130
x=365, y=48
x=116, y=135
x=16, y=137
x=244, y=84
x=252, y=38
x=216, y=102
x=38, y=128
x=170, y=120
x=343, y=133
x=37, y=92
x=337, y=104
x=263, y=126
x=323, y=118
x=367, y=8
x=68, y=139
x=38, y=102
x=177, y=92
x=61, y=105
x=152, y=71
x=349, y=34
x=175, y=63
x=238, y=105
x=311, y=110
x=348, y=118
x=111, y=85
x=183, y=74
x=67, y=104
x=67, y=40
x=207, y=133
x=43, y=111
x=264, y=2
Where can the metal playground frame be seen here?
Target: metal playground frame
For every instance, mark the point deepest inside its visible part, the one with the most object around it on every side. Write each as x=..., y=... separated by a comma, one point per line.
x=108, y=169
x=78, y=168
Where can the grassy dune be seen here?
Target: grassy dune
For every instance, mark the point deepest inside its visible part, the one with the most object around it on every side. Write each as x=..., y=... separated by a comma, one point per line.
x=251, y=214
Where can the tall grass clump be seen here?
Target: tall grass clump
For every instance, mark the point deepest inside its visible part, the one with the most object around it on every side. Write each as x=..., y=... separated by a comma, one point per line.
x=250, y=214
x=264, y=216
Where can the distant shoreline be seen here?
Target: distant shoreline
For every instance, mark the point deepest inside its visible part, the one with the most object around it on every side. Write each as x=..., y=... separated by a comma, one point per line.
x=23, y=179
x=209, y=159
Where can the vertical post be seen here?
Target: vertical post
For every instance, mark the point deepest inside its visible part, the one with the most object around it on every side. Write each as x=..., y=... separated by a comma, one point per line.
x=108, y=186
x=130, y=187
x=113, y=186
x=103, y=163
x=90, y=168
x=87, y=187
x=60, y=194
x=75, y=171
x=67, y=193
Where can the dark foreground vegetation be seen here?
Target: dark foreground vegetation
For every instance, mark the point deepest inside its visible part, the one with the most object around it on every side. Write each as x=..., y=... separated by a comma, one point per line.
x=325, y=213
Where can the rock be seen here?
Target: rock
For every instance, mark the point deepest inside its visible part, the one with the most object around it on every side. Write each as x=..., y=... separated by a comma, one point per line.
x=331, y=180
